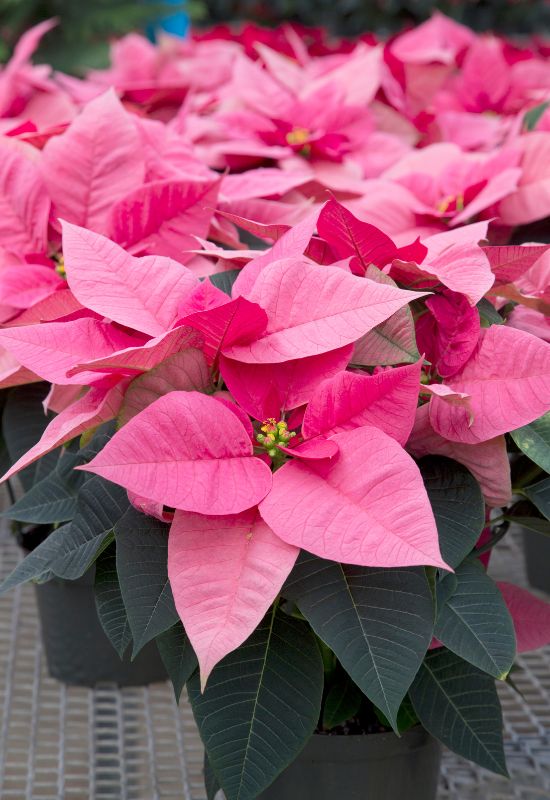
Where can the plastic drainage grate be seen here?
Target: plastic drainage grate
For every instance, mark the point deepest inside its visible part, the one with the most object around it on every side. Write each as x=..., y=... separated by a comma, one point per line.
x=68, y=743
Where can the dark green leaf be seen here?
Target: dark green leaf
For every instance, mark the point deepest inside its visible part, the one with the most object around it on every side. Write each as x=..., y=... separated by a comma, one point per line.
x=224, y=280
x=341, y=703
x=379, y=622
x=260, y=706
x=539, y=495
x=445, y=588
x=109, y=602
x=457, y=504
x=142, y=566
x=177, y=656
x=531, y=118
x=69, y=551
x=406, y=716
x=23, y=423
x=475, y=622
x=53, y=499
x=488, y=313
x=211, y=783
x=534, y=441
x=458, y=704
x=536, y=524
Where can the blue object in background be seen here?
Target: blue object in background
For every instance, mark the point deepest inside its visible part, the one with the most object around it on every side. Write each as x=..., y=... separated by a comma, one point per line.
x=176, y=24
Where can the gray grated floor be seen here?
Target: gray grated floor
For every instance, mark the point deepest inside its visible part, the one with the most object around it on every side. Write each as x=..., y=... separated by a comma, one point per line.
x=67, y=743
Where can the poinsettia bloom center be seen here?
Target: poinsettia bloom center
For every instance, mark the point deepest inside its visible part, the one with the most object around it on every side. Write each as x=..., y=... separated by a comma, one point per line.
x=273, y=435
x=298, y=137
x=451, y=203
x=60, y=265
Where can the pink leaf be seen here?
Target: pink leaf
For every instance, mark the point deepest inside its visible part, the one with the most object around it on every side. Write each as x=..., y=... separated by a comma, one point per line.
x=508, y=380
x=224, y=572
x=262, y=230
x=387, y=400
x=348, y=236
x=12, y=373
x=141, y=293
x=51, y=350
x=23, y=285
x=188, y=451
x=185, y=371
x=531, y=617
x=291, y=244
x=313, y=309
x=531, y=200
x=149, y=507
x=162, y=217
x=235, y=322
x=261, y=182
x=225, y=398
x=59, y=397
x=510, y=263
x=94, y=163
x=266, y=390
x=391, y=342
x=487, y=461
x=315, y=449
x=204, y=297
x=97, y=406
x=60, y=304
x=379, y=517
x=144, y=356
x=29, y=42
x=24, y=204
x=455, y=258
x=457, y=329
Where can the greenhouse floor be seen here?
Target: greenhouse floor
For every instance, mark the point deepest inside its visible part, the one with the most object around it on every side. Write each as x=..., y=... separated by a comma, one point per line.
x=135, y=744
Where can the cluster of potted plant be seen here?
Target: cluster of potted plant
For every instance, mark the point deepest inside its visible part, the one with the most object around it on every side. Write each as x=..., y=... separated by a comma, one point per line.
x=277, y=429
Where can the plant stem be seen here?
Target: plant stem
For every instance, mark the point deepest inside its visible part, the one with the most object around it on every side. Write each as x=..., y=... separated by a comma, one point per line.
x=500, y=533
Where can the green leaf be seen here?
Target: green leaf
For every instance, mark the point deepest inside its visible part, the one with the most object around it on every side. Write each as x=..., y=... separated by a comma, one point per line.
x=379, y=622
x=142, y=566
x=224, y=280
x=535, y=524
x=211, y=783
x=341, y=703
x=177, y=656
x=475, y=622
x=406, y=716
x=457, y=504
x=69, y=551
x=488, y=313
x=532, y=117
x=260, y=706
x=54, y=498
x=539, y=495
x=458, y=704
x=445, y=588
x=534, y=441
x=109, y=602
x=391, y=342
x=23, y=423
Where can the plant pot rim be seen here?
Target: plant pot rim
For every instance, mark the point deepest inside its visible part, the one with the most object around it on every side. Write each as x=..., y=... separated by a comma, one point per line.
x=380, y=745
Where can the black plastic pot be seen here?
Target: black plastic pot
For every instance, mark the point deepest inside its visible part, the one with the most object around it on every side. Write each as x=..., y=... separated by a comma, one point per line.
x=536, y=547
x=377, y=766
x=77, y=650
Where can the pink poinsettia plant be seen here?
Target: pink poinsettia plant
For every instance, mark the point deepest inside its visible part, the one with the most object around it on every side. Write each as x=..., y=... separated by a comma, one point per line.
x=269, y=341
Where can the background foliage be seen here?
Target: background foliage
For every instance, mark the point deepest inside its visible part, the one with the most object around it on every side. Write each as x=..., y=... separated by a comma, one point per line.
x=81, y=40
x=352, y=17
